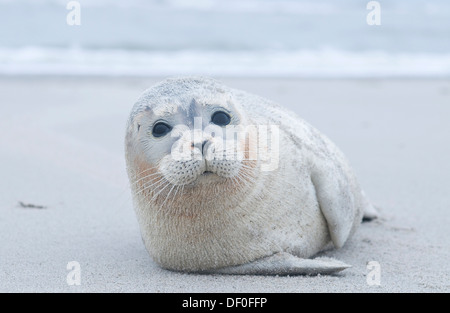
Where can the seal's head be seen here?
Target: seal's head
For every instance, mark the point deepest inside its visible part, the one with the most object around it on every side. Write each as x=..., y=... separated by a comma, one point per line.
x=188, y=137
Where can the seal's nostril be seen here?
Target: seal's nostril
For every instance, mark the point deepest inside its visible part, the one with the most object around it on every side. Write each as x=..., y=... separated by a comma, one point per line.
x=208, y=149
x=202, y=147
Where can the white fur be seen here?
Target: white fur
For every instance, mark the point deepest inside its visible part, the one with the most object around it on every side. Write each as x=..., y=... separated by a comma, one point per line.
x=309, y=201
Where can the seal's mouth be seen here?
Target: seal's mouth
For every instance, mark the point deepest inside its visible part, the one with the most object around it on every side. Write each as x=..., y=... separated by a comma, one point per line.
x=208, y=177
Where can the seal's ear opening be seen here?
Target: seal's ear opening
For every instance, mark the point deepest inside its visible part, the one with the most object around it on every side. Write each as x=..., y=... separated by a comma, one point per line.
x=138, y=126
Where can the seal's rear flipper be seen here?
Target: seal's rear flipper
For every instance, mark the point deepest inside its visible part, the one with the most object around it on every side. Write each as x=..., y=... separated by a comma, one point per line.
x=370, y=212
x=285, y=264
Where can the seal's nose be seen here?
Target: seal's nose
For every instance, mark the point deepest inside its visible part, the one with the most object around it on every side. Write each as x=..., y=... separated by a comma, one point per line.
x=204, y=146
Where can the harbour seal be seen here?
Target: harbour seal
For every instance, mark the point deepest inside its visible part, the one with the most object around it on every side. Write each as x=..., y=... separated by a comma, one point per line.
x=219, y=209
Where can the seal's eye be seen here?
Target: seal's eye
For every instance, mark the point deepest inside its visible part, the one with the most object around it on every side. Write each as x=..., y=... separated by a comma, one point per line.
x=160, y=129
x=221, y=118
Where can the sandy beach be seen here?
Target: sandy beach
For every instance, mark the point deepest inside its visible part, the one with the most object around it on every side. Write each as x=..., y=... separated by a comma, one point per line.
x=62, y=152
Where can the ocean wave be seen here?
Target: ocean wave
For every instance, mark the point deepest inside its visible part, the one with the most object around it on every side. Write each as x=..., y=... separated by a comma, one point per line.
x=300, y=63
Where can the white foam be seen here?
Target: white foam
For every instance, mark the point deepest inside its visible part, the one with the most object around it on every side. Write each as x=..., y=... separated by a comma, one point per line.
x=302, y=63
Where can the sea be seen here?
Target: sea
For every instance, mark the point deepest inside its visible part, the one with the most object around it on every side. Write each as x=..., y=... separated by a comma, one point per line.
x=248, y=38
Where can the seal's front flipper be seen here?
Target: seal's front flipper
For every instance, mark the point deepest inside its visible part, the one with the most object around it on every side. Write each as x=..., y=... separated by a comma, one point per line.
x=285, y=264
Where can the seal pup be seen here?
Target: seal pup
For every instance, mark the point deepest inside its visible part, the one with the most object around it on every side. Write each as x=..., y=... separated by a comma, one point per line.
x=264, y=205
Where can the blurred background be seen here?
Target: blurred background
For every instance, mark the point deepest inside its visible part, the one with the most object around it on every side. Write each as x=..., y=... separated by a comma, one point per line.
x=66, y=93
x=289, y=38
